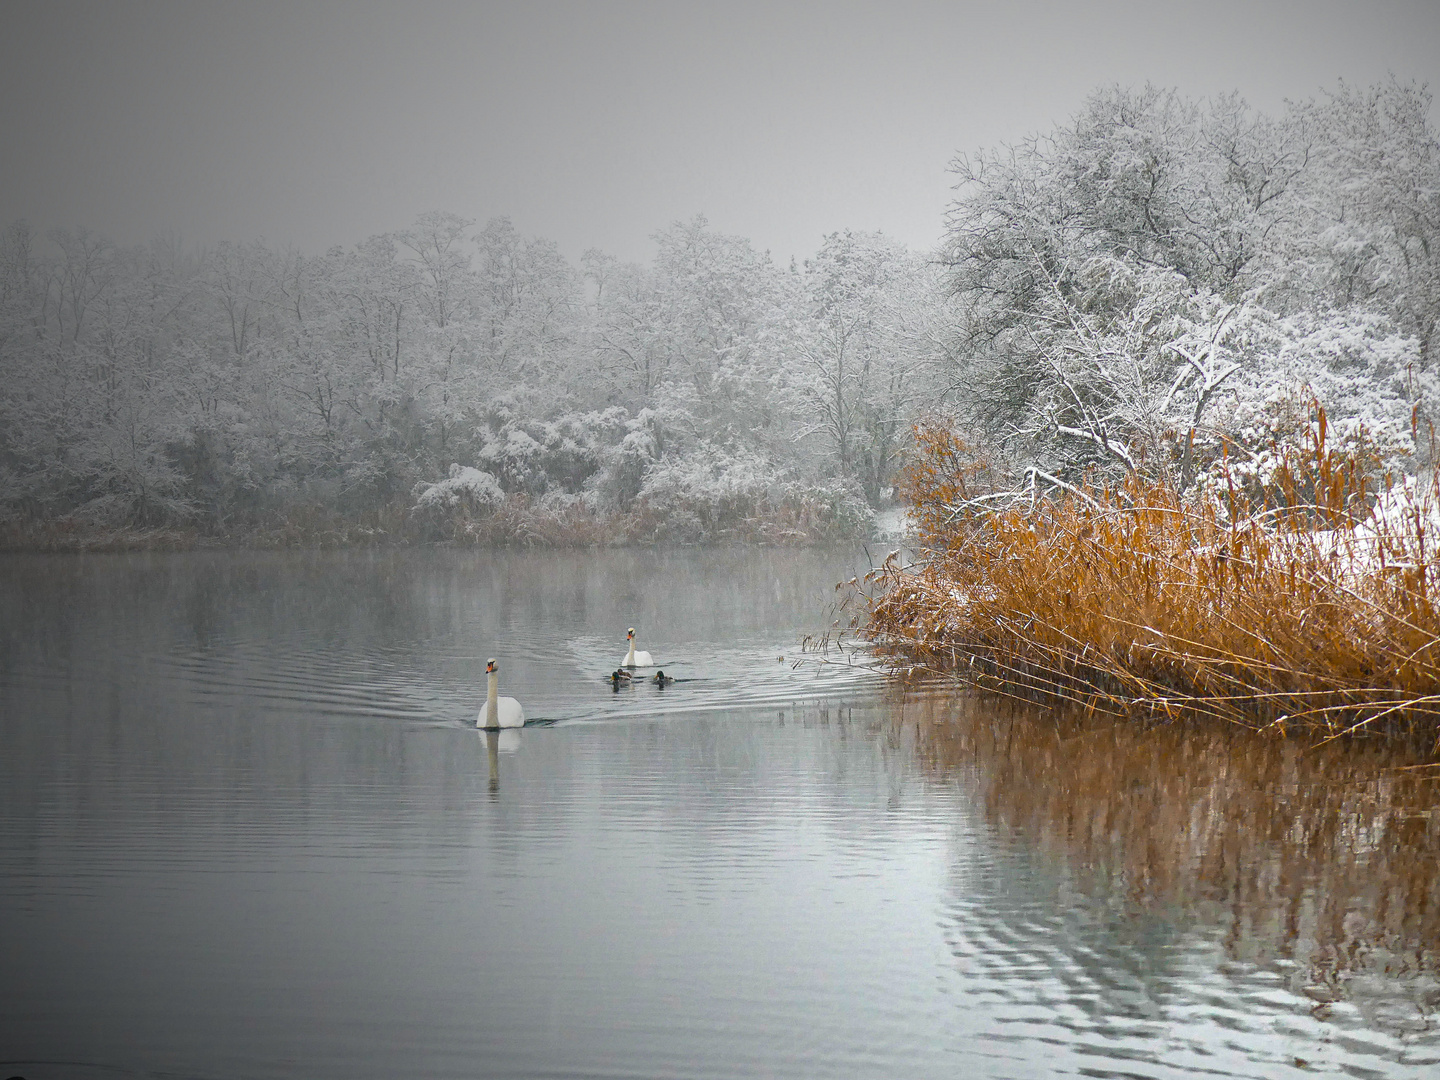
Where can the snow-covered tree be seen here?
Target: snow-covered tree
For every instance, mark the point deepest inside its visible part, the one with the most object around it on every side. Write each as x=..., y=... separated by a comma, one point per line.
x=1135, y=284
x=864, y=351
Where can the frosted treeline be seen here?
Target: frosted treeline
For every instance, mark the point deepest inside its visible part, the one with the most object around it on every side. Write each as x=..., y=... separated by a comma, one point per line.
x=1158, y=283
x=456, y=366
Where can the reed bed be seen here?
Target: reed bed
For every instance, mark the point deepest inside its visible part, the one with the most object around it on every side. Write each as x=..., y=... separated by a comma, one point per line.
x=1310, y=607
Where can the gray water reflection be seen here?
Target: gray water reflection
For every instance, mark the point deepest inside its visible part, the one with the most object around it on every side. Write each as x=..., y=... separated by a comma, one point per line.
x=1194, y=899
x=406, y=635
x=246, y=831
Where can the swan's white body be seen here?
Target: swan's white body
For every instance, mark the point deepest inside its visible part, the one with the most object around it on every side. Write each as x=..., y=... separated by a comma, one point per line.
x=633, y=658
x=498, y=712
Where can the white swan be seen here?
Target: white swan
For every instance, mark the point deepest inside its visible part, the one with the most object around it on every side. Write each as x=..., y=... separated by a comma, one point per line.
x=633, y=658
x=499, y=712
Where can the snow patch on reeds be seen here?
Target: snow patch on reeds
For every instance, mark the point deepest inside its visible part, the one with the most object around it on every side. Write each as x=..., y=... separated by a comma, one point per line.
x=1314, y=608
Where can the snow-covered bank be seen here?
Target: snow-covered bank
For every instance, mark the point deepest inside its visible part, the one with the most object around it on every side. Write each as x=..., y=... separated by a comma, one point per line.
x=512, y=521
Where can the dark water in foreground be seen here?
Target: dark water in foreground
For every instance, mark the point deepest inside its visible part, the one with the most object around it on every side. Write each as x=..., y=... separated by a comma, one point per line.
x=246, y=831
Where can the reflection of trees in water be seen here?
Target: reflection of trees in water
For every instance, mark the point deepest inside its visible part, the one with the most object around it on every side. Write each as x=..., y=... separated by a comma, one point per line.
x=1323, y=860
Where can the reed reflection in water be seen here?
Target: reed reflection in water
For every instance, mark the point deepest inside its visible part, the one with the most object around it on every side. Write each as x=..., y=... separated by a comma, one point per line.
x=1313, y=871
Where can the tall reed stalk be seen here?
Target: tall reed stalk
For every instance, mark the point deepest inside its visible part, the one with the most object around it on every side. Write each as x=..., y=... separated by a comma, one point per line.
x=1309, y=605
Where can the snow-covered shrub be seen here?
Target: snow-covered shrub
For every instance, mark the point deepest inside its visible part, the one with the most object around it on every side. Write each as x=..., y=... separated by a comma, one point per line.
x=713, y=493
x=624, y=463
x=443, y=510
x=513, y=457
x=465, y=487
x=840, y=505
x=576, y=444
x=532, y=456
x=1348, y=372
x=707, y=492
x=711, y=476
x=556, y=501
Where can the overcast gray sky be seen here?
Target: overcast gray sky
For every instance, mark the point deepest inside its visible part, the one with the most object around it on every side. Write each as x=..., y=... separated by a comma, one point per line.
x=595, y=124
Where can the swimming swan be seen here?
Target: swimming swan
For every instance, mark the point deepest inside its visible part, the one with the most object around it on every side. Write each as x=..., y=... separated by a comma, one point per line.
x=633, y=658
x=499, y=712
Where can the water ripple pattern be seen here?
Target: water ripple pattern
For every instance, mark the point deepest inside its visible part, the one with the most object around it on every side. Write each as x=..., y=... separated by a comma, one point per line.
x=393, y=641
x=248, y=829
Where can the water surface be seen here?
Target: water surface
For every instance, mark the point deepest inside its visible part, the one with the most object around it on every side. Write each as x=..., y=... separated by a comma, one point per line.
x=247, y=829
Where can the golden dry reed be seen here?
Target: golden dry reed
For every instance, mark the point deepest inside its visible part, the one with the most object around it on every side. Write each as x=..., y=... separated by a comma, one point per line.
x=1288, y=606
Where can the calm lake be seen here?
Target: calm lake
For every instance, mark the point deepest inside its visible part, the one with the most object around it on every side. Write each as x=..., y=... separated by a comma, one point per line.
x=248, y=830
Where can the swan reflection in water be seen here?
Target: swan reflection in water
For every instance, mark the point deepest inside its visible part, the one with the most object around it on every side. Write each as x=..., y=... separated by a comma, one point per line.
x=497, y=742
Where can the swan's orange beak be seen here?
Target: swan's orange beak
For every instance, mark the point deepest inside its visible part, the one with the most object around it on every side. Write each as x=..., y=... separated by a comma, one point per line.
x=489, y=667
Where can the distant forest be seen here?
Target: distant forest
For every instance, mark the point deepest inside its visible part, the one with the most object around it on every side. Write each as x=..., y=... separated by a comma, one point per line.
x=1158, y=284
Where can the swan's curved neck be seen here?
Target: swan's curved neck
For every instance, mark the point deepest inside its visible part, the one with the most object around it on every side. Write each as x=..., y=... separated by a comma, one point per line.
x=630, y=656
x=492, y=701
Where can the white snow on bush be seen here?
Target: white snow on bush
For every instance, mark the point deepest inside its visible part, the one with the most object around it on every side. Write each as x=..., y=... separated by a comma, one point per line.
x=464, y=485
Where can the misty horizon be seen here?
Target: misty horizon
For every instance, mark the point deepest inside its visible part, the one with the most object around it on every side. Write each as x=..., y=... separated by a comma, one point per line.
x=597, y=127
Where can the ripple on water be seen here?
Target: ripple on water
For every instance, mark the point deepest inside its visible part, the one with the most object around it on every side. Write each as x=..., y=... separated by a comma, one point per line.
x=244, y=833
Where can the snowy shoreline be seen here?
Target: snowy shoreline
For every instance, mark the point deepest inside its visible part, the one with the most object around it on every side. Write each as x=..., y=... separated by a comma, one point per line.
x=523, y=527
